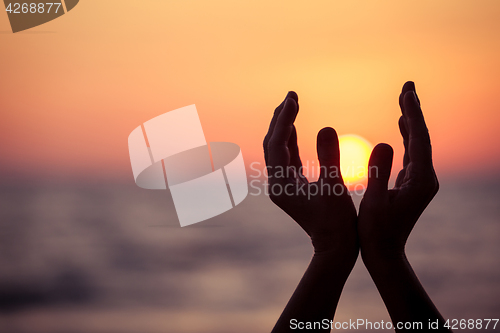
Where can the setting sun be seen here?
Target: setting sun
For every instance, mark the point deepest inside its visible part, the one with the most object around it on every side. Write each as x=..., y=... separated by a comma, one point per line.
x=354, y=155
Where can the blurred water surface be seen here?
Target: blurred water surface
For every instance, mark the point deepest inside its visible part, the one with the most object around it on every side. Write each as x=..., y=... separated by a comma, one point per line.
x=83, y=258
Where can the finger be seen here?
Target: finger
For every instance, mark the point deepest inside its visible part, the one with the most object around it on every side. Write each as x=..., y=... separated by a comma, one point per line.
x=406, y=156
x=293, y=148
x=329, y=155
x=419, y=146
x=408, y=86
x=405, y=135
x=272, y=125
x=279, y=155
x=379, y=169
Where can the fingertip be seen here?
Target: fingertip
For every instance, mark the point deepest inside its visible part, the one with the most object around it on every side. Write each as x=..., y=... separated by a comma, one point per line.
x=329, y=154
x=401, y=121
x=327, y=135
x=383, y=150
x=408, y=86
x=293, y=95
x=379, y=169
x=290, y=103
x=287, y=116
x=402, y=127
x=410, y=98
x=381, y=159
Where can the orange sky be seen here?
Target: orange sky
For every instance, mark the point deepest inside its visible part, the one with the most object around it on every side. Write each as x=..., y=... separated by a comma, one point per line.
x=73, y=89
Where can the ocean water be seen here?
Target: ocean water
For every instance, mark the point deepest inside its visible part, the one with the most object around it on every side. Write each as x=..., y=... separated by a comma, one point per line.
x=112, y=258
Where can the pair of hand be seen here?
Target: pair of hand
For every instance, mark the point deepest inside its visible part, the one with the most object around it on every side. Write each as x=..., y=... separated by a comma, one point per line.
x=324, y=209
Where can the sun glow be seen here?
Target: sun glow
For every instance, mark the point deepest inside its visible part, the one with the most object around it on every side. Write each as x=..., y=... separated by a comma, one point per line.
x=354, y=155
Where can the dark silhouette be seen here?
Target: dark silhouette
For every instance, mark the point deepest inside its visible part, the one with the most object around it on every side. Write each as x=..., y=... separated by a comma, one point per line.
x=379, y=231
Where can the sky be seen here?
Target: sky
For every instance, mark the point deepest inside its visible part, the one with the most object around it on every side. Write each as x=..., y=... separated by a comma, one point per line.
x=73, y=89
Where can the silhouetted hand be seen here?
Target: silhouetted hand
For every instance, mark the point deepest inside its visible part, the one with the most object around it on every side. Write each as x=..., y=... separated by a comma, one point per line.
x=324, y=209
x=386, y=217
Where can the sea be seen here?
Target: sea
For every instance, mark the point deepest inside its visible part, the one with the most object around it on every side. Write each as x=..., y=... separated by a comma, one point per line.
x=112, y=258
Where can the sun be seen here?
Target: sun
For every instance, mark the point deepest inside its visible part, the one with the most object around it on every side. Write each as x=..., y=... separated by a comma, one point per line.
x=354, y=155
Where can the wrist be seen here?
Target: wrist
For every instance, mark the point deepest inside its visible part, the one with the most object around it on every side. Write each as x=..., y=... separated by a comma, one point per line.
x=339, y=254
x=334, y=243
x=382, y=255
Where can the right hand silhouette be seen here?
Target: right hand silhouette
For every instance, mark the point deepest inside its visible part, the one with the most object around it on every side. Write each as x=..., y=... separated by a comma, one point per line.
x=387, y=217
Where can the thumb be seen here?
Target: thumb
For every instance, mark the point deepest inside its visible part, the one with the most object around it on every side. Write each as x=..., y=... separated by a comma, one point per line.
x=379, y=169
x=329, y=155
